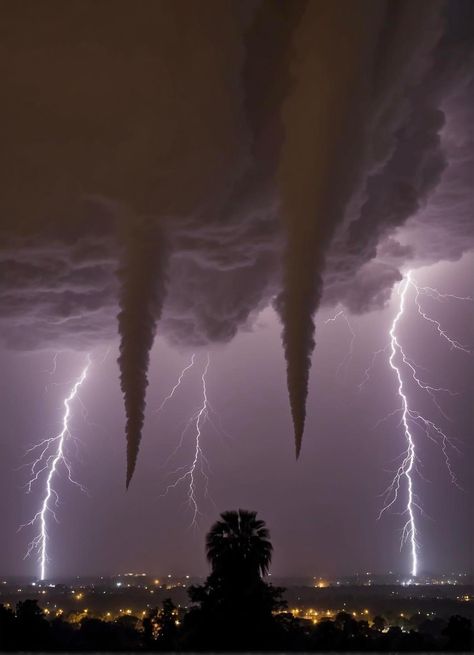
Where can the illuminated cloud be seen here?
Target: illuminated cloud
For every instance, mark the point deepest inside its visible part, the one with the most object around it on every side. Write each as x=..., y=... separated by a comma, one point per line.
x=294, y=153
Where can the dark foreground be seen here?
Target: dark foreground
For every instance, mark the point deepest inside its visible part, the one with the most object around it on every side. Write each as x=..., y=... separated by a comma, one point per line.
x=27, y=629
x=233, y=610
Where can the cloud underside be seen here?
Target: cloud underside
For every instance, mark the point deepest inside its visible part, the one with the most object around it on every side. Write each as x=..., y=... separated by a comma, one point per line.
x=184, y=166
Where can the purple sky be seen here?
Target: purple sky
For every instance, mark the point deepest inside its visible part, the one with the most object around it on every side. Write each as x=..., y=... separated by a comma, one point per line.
x=321, y=510
x=224, y=177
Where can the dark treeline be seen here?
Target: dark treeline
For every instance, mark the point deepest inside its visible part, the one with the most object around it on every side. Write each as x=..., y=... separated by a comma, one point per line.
x=28, y=630
x=233, y=610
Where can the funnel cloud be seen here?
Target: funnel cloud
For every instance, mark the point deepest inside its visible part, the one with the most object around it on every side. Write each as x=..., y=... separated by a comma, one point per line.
x=185, y=166
x=141, y=296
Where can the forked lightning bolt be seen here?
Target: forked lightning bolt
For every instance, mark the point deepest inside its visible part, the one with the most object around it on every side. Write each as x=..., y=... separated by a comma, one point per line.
x=408, y=463
x=199, y=464
x=412, y=420
x=178, y=383
x=433, y=293
x=52, y=456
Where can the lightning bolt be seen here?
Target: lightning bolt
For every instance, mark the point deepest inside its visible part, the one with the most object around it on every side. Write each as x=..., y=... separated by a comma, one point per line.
x=52, y=455
x=433, y=293
x=348, y=357
x=178, y=383
x=406, y=467
x=199, y=463
x=412, y=420
x=52, y=372
x=368, y=370
x=54, y=363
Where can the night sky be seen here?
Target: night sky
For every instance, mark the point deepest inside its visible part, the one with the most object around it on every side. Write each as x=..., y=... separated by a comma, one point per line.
x=249, y=182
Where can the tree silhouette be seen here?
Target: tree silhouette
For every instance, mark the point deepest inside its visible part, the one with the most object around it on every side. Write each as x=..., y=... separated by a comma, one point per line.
x=379, y=623
x=459, y=634
x=159, y=627
x=234, y=608
x=8, y=635
x=238, y=545
x=222, y=622
x=33, y=628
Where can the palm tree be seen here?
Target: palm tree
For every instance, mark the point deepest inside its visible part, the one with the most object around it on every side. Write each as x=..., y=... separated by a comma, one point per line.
x=238, y=546
x=235, y=607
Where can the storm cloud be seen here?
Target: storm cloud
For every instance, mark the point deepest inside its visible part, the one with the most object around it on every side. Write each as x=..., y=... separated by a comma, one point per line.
x=184, y=166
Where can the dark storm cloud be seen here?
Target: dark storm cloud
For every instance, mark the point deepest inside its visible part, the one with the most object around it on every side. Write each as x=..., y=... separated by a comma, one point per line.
x=393, y=249
x=282, y=151
x=369, y=289
x=57, y=294
x=444, y=228
x=422, y=192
